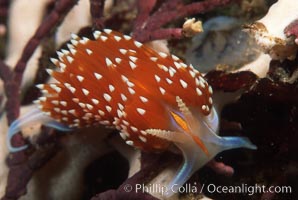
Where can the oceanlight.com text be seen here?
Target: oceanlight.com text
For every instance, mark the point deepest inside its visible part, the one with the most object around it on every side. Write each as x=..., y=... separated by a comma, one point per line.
x=211, y=188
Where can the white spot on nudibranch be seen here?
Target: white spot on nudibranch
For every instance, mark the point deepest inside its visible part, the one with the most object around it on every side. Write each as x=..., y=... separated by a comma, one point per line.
x=74, y=36
x=89, y=106
x=143, y=139
x=97, y=76
x=67, y=85
x=164, y=68
x=172, y=71
x=117, y=38
x=143, y=132
x=141, y=111
x=183, y=83
x=63, y=103
x=175, y=57
x=134, y=129
x=96, y=34
x=101, y=112
x=111, y=88
x=192, y=73
x=103, y=38
x=199, y=92
x=80, y=78
x=132, y=65
x=125, y=122
x=123, y=136
x=54, y=61
x=55, y=102
x=72, y=111
x=118, y=60
x=123, y=97
x=74, y=42
x=210, y=100
x=202, y=84
x=69, y=59
x=76, y=100
x=108, y=62
x=130, y=84
x=183, y=65
x=132, y=51
x=84, y=40
x=210, y=89
x=157, y=78
x=108, y=31
x=49, y=71
x=72, y=89
x=191, y=66
x=133, y=59
x=62, y=66
x=82, y=105
x=60, y=55
x=95, y=101
x=138, y=44
x=129, y=142
x=121, y=107
x=143, y=99
x=56, y=88
x=177, y=65
x=123, y=51
x=42, y=98
x=169, y=81
x=86, y=92
x=162, y=54
x=154, y=59
x=89, y=52
x=162, y=91
x=124, y=78
x=40, y=86
x=64, y=112
x=105, y=122
x=107, y=97
x=109, y=108
x=127, y=37
x=65, y=51
x=45, y=91
x=131, y=91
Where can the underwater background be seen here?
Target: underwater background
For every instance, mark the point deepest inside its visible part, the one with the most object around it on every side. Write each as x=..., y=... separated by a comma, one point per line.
x=247, y=52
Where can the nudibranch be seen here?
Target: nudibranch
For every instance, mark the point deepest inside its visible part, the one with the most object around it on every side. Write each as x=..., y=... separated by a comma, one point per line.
x=152, y=98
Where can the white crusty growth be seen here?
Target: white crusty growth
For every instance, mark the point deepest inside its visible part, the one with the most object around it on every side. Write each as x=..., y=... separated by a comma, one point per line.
x=269, y=31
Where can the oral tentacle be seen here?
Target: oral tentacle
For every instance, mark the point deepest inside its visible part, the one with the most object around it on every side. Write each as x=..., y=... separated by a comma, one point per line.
x=190, y=165
x=234, y=142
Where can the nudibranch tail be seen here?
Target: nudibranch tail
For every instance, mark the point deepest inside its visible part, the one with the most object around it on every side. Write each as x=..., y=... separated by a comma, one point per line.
x=33, y=117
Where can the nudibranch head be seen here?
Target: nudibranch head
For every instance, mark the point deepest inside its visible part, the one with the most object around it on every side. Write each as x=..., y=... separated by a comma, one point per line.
x=152, y=98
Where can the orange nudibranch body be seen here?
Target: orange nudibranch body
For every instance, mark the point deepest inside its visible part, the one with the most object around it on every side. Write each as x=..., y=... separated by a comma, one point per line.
x=152, y=98
x=119, y=82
